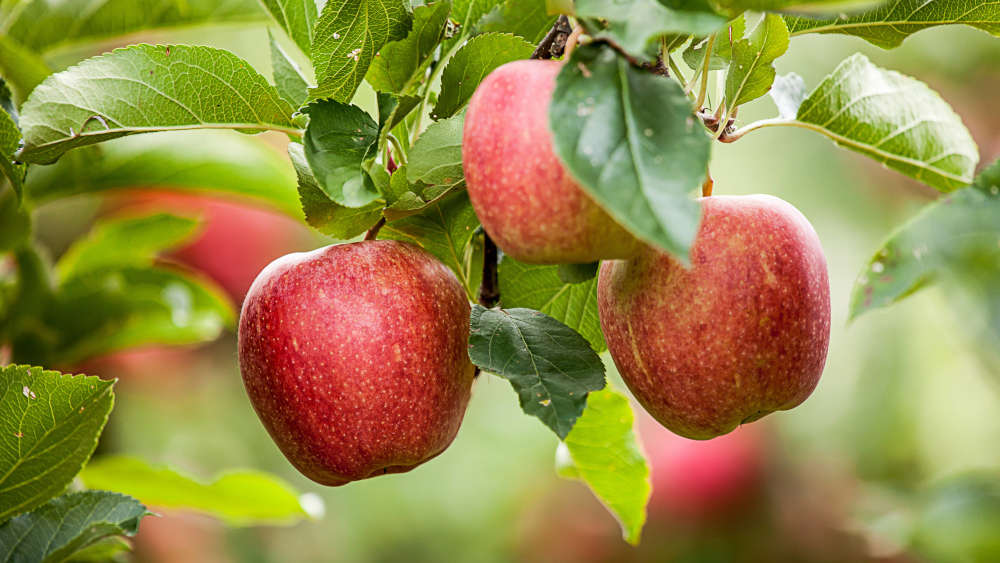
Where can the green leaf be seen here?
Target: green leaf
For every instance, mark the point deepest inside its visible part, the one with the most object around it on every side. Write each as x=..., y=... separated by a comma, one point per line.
x=636, y=23
x=220, y=162
x=801, y=6
x=606, y=456
x=533, y=286
x=297, y=18
x=470, y=65
x=347, y=36
x=468, y=12
x=888, y=24
x=957, y=236
x=894, y=119
x=401, y=65
x=239, y=498
x=181, y=87
x=751, y=73
x=68, y=524
x=288, y=78
x=126, y=241
x=106, y=311
x=722, y=48
x=22, y=68
x=436, y=157
x=10, y=138
x=788, y=93
x=551, y=367
x=49, y=424
x=338, y=139
x=577, y=273
x=324, y=214
x=113, y=549
x=446, y=230
x=42, y=26
x=525, y=18
x=631, y=140
x=15, y=221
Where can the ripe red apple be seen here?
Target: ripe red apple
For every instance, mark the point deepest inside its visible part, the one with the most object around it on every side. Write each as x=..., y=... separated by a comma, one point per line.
x=525, y=199
x=696, y=481
x=741, y=334
x=354, y=357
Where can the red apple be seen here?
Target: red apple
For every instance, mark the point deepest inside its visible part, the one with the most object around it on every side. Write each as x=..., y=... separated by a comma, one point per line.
x=354, y=357
x=741, y=334
x=525, y=199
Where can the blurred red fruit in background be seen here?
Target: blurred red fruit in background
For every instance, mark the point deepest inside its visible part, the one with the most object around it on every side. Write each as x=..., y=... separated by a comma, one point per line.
x=701, y=480
x=236, y=239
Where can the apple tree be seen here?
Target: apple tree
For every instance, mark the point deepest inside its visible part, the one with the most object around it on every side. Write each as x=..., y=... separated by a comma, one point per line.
x=544, y=159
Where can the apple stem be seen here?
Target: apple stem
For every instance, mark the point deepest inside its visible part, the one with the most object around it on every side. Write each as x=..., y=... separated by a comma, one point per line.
x=489, y=289
x=706, y=187
x=554, y=42
x=373, y=232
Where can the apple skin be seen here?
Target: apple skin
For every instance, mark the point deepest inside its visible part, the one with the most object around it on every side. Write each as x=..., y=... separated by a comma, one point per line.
x=742, y=333
x=524, y=197
x=354, y=357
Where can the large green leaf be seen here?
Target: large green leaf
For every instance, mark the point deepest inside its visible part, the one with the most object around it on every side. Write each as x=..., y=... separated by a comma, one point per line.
x=288, y=78
x=539, y=287
x=602, y=451
x=894, y=119
x=181, y=87
x=447, y=230
x=888, y=24
x=239, y=498
x=49, y=424
x=957, y=237
x=635, y=23
x=525, y=18
x=436, y=157
x=324, y=214
x=347, y=36
x=126, y=241
x=401, y=65
x=470, y=65
x=297, y=18
x=338, y=139
x=220, y=162
x=105, y=311
x=551, y=367
x=751, y=73
x=44, y=25
x=66, y=525
x=630, y=139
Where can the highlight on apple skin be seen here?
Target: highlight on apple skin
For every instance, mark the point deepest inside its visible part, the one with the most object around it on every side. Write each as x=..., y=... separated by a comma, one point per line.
x=741, y=334
x=524, y=197
x=354, y=357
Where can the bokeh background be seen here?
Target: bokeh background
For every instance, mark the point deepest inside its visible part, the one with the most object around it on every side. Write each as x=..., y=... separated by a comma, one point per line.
x=895, y=457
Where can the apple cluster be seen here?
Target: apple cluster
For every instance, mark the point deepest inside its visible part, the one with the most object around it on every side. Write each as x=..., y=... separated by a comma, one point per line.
x=354, y=355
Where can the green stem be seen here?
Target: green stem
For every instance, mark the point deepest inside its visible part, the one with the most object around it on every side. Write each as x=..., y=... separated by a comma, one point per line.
x=704, y=72
x=430, y=84
x=397, y=150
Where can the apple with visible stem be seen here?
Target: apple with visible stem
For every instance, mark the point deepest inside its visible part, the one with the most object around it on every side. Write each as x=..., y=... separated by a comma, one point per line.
x=354, y=357
x=741, y=333
x=526, y=200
